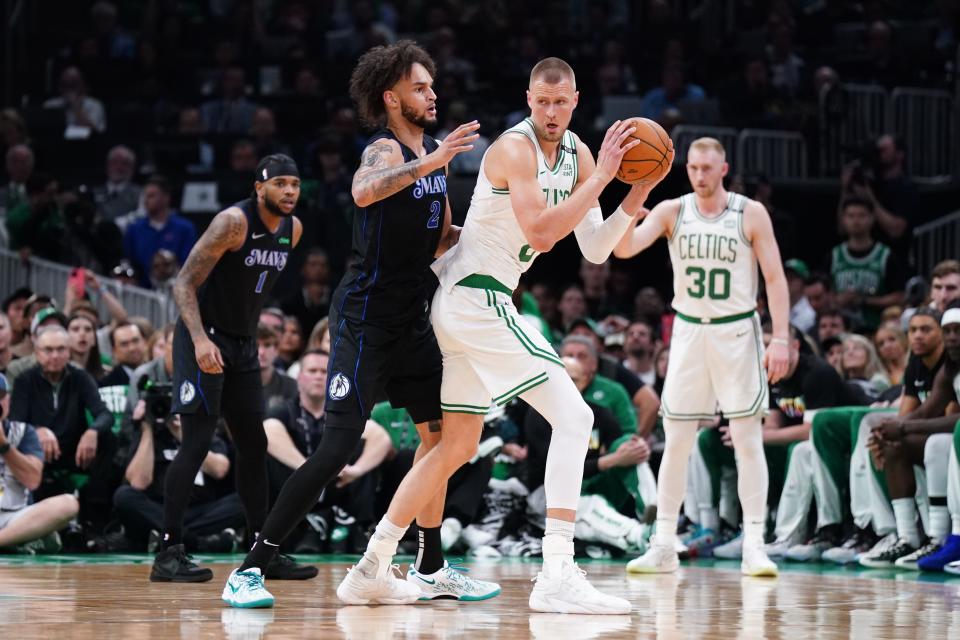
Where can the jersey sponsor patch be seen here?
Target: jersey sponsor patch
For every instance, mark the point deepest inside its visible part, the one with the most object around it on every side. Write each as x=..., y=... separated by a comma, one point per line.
x=339, y=387
x=187, y=392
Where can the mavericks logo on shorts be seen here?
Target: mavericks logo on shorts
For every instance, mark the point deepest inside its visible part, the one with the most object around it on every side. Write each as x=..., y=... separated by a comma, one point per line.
x=187, y=392
x=339, y=387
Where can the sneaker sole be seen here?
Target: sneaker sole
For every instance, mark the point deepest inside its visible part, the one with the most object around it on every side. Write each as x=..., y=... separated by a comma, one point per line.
x=451, y=596
x=204, y=578
x=345, y=599
x=952, y=570
x=651, y=570
x=263, y=603
x=547, y=605
x=870, y=564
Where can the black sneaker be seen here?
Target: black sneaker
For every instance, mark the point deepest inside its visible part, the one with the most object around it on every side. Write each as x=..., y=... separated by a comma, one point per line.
x=283, y=567
x=885, y=558
x=174, y=565
x=223, y=542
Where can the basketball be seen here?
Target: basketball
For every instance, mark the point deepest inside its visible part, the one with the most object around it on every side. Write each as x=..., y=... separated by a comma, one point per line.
x=651, y=159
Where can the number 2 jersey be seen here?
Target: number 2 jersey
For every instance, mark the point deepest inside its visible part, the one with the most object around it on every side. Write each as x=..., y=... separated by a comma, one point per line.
x=714, y=266
x=492, y=242
x=394, y=241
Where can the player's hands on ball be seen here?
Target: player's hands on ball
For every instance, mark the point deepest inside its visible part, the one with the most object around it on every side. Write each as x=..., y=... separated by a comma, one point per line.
x=209, y=358
x=613, y=149
x=459, y=140
x=777, y=361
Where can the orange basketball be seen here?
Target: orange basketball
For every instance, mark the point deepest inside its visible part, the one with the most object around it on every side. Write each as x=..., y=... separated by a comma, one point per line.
x=651, y=159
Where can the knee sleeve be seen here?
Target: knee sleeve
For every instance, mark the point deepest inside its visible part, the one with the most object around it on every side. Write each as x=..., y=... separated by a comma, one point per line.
x=561, y=404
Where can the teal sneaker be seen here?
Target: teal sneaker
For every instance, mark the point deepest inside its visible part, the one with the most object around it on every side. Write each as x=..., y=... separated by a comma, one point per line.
x=452, y=583
x=245, y=590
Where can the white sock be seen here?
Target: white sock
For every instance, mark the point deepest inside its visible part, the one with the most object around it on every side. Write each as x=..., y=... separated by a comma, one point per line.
x=939, y=522
x=710, y=518
x=956, y=524
x=557, y=545
x=905, y=512
x=752, y=475
x=381, y=548
x=681, y=436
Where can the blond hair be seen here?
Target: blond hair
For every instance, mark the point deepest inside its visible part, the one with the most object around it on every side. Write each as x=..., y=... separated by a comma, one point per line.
x=874, y=365
x=553, y=71
x=708, y=144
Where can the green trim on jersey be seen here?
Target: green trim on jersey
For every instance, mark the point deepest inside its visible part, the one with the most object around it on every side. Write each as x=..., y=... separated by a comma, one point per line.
x=517, y=330
x=481, y=281
x=463, y=408
x=678, y=221
x=718, y=218
x=720, y=320
x=523, y=387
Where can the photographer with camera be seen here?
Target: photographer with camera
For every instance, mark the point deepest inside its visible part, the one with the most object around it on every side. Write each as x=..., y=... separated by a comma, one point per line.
x=214, y=510
x=21, y=469
x=879, y=176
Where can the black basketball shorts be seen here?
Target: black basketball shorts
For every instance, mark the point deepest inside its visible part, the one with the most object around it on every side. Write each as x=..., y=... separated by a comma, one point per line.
x=237, y=389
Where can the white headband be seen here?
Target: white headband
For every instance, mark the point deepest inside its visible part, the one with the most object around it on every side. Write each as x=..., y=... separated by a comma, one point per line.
x=950, y=316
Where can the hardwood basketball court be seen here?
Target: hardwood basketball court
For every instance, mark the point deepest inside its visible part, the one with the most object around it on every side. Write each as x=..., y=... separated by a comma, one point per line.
x=57, y=597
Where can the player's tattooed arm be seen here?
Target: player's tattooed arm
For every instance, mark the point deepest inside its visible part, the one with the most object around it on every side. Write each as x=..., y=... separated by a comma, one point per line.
x=225, y=233
x=383, y=173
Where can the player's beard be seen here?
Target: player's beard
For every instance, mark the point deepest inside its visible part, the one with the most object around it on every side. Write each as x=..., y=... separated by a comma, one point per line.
x=544, y=133
x=639, y=352
x=273, y=206
x=421, y=120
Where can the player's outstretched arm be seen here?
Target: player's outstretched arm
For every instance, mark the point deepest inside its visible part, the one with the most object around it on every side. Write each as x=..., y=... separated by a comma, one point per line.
x=383, y=172
x=656, y=223
x=759, y=231
x=512, y=162
x=225, y=233
x=598, y=237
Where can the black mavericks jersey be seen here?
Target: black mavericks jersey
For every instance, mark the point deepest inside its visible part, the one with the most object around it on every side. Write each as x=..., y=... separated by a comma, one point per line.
x=238, y=286
x=394, y=241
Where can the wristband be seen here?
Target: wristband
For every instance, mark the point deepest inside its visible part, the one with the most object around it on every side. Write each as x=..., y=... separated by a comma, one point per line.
x=782, y=341
x=4, y=448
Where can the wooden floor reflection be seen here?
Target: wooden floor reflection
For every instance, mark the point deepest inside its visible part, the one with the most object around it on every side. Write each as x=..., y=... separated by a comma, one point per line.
x=116, y=601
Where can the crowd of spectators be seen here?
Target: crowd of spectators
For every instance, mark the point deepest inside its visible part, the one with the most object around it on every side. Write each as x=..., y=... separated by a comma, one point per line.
x=161, y=111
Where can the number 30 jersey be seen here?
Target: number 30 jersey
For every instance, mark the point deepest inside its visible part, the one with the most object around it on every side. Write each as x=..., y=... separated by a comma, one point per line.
x=714, y=266
x=492, y=242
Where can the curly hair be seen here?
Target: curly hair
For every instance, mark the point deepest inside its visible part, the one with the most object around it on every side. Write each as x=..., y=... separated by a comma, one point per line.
x=379, y=69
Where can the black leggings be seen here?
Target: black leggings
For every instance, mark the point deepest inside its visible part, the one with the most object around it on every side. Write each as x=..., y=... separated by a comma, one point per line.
x=250, y=443
x=304, y=487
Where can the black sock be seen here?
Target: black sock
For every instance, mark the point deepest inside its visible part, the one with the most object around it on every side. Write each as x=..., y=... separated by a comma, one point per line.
x=430, y=554
x=261, y=555
x=171, y=538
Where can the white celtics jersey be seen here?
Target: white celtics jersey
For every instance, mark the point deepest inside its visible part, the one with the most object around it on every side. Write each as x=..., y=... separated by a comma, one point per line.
x=714, y=266
x=491, y=242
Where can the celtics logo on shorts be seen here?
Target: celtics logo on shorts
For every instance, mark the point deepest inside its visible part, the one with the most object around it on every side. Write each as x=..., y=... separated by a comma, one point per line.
x=339, y=387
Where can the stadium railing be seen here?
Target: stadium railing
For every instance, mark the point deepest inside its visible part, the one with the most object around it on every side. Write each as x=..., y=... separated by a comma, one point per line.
x=851, y=115
x=683, y=134
x=776, y=154
x=936, y=241
x=44, y=276
x=925, y=118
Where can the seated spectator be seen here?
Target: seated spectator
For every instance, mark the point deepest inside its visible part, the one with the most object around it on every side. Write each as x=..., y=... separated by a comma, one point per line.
x=19, y=164
x=294, y=431
x=231, y=112
x=6, y=339
x=14, y=306
x=84, y=352
x=572, y=306
x=673, y=91
x=291, y=343
x=599, y=389
x=198, y=154
x=862, y=366
x=36, y=226
x=32, y=526
x=944, y=284
x=312, y=302
x=41, y=316
x=615, y=471
x=273, y=318
x=867, y=276
x=81, y=110
x=831, y=323
x=278, y=389
x=162, y=228
x=594, y=279
x=13, y=129
x=818, y=290
x=263, y=134
x=129, y=352
x=639, y=346
x=119, y=195
x=214, y=511
x=891, y=344
x=56, y=398
x=163, y=271
x=802, y=315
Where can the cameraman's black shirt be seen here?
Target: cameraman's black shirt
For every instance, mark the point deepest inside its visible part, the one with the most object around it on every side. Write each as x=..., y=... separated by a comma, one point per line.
x=165, y=446
x=305, y=430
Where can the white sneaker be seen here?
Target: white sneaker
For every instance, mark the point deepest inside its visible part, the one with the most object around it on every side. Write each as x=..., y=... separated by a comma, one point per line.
x=953, y=567
x=450, y=530
x=755, y=562
x=476, y=537
x=658, y=559
x=732, y=550
x=245, y=590
x=778, y=548
x=571, y=592
x=451, y=583
x=910, y=560
x=358, y=588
